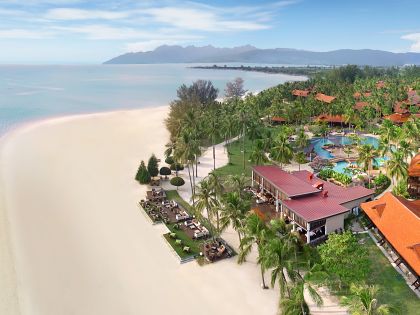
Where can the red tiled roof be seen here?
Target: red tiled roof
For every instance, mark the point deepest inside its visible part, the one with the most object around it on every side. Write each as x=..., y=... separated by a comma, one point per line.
x=398, y=118
x=414, y=168
x=324, y=98
x=306, y=200
x=398, y=220
x=413, y=97
x=360, y=105
x=278, y=119
x=401, y=107
x=315, y=207
x=284, y=181
x=380, y=84
x=303, y=93
x=331, y=118
x=357, y=95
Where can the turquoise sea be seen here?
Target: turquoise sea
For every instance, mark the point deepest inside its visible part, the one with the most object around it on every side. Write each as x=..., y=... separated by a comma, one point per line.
x=30, y=93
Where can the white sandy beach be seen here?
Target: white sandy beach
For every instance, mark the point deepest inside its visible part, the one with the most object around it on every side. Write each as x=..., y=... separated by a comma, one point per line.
x=81, y=245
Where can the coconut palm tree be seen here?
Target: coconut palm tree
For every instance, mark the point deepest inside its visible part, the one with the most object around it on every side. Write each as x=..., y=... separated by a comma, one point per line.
x=367, y=155
x=300, y=158
x=406, y=150
x=363, y=301
x=255, y=232
x=302, y=139
x=396, y=166
x=213, y=131
x=205, y=200
x=257, y=155
x=387, y=131
x=233, y=212
x=282, y=150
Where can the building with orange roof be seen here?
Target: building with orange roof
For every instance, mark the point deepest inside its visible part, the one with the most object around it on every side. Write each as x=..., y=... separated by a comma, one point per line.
x=380, y=84
x=325, y=98
x=414, y=177
x=401, y=107
x=360, y=105
x=397, y=221
x=278, y=120
x=358, y=95
x=334, y=119
x=397, y=118
x=301, y=93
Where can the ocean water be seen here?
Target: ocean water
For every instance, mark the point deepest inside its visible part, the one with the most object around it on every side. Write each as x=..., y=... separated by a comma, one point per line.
x=29, y=93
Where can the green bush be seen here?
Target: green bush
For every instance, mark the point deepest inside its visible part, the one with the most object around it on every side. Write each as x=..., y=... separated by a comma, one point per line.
x=330, y=173
x=177, y=167
x=165, y=171
x=153, y=166
x=143, y=176
x=177, y=182
x=169, y=160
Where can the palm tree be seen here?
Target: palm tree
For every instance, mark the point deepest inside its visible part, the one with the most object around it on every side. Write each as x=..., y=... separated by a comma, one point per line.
x=206, y=199
x=363, y=301
x=387, y=131
x=255, y=232
x=396, y=167
x=238, y=183
x=244, y=120
x=282, y=150
x=258, y=156
x=295, y=304
x=302, y=139
x=233, y=212
x=213, y=132
x=367, y=154
x=300, y=158
x=406, y=150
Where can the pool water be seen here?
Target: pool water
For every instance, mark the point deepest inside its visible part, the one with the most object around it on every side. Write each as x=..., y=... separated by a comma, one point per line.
x=320, y=142
x=342, y=166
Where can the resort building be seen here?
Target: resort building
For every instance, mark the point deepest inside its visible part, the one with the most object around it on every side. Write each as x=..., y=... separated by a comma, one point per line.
x=276, y=120
x=325, y=98
x=414, y=177
x=360, y=105
x=331, y=119
x=301, y=93
x=397, y=221
x=315, y=207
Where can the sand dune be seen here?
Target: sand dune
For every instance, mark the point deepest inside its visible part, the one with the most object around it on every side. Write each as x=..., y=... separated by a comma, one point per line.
x=80, y=243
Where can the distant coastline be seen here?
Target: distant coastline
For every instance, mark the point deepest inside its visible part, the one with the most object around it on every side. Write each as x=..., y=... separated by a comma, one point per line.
x=302, y=70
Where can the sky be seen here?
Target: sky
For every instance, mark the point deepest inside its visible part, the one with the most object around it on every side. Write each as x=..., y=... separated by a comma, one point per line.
x=91, y=31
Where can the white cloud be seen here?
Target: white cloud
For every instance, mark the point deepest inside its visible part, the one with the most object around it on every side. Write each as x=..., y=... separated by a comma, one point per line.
x=105, y=32
x=25, y=34
x=80, y=14
x=200, y=19
x=414, y=37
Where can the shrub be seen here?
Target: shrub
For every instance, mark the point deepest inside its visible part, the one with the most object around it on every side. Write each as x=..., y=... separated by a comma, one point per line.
x=177, y=167
x=343, y=258
x=170, y=160
x=177, y=182
x=143, y=176
x=152, y=166
x=165, y=171
x=330, y=173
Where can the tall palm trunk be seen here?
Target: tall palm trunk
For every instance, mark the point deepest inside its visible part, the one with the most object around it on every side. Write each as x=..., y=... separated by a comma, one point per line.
x=264, y=286
x=214, y=157
x=191, y=183
x=243, y=143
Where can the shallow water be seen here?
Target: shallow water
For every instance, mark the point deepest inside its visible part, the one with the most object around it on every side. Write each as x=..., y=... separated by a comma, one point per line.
x=36, y=92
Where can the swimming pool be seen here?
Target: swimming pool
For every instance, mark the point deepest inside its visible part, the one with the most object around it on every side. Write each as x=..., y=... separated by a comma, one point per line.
x=342, y=166
x=320, y=142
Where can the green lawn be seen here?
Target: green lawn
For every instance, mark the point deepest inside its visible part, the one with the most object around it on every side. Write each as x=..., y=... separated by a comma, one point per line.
x=194, y=245
x=235, y=167
x=393, y=288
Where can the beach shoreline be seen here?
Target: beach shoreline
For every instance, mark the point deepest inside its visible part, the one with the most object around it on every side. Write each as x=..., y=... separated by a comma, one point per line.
x=80, y=244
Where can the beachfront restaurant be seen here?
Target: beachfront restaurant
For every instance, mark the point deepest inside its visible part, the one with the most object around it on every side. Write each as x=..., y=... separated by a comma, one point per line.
x=397, y=222
x=313, y=206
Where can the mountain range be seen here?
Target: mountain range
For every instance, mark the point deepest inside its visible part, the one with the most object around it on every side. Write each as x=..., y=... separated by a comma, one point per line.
x=251, y=54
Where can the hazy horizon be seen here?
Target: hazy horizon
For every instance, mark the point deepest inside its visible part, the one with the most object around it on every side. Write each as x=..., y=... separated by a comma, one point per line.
x=90, y=32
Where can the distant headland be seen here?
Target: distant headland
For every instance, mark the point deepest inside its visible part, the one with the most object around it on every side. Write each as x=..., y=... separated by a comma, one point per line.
x=251, y=54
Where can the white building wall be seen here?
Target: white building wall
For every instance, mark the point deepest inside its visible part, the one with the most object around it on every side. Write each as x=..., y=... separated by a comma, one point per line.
x=334, y=223
x=356, y=203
